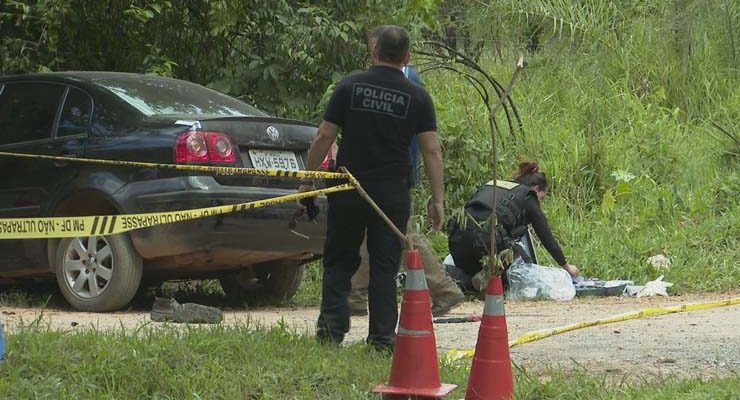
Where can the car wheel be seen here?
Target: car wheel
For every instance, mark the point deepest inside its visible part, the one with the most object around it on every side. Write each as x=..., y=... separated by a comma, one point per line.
x=268, y=283
x=98, y=273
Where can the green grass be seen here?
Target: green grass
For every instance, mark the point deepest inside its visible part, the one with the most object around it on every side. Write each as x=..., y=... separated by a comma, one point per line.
x=252, y=362
x=309, y=294
x=39, y=296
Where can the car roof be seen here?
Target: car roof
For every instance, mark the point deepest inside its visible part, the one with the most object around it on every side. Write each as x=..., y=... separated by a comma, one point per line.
x=99, y=81
x=81, y=76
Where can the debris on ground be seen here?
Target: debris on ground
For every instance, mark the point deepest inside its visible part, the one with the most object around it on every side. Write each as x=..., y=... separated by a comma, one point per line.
x=528, y=281
x=458, y=320
x=597, y=287
x=659, y=261
x=167, y=309
x=655, y=287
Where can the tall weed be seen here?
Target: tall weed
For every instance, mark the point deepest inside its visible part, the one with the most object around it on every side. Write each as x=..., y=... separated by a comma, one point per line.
x=617, y=102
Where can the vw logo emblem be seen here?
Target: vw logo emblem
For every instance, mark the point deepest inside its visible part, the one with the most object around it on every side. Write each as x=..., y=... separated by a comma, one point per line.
x=273, y=133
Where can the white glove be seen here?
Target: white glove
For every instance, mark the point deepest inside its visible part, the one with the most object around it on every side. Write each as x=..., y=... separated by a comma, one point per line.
x=655, y=287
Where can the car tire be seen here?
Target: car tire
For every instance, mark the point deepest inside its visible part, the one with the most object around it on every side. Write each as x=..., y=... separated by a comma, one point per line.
x=269, y=283
x=103, y=277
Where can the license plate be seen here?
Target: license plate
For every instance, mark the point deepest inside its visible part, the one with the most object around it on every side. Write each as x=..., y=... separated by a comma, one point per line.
x=274, y=159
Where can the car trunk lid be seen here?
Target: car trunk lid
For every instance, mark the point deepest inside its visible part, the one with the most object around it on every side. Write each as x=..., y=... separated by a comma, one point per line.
x=263, y=142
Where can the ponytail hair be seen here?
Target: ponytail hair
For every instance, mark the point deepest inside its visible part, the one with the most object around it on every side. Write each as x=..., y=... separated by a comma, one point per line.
x=529, y=174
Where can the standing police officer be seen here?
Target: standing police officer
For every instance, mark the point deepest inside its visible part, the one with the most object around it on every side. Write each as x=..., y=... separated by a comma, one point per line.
x=443, y=290
x=378, y=111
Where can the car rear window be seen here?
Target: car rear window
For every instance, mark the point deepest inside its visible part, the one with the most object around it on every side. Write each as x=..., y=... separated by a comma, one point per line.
x=162, y=96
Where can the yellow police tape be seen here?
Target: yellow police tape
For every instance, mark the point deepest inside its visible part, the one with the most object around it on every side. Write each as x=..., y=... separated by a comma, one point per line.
x=532, y=336
x=184, y=167
x=61, y=227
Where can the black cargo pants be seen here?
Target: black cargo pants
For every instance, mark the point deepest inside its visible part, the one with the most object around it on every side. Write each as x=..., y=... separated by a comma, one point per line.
x=467, y=248
x=348, y=219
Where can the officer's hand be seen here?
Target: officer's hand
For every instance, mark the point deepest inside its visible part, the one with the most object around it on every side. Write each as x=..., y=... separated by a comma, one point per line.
x=572, y=270
x=305, y=187
x=436, y=215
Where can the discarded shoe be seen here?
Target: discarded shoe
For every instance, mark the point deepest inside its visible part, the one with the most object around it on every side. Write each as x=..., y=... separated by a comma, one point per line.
x=166, y=309
x=441, y=307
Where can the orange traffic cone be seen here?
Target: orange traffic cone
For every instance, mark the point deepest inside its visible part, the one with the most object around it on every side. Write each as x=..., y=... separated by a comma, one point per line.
x=415, y=369
x=490, y=374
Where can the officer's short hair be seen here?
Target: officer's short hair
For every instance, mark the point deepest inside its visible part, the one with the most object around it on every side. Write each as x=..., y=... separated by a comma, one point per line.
x=393, y=43
x=374, y=34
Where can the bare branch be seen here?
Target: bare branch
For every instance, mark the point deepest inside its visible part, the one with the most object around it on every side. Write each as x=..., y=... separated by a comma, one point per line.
x=729, y=134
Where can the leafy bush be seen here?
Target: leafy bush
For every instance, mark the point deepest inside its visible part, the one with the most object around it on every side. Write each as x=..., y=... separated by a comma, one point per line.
x=278, y=54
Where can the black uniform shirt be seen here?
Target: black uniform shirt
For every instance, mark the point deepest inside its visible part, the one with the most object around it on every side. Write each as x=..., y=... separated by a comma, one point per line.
x=537, y=218
x=518, y=207
x=379, y=111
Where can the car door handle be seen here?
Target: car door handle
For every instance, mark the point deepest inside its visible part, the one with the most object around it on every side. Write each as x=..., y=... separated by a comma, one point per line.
x=63, y=163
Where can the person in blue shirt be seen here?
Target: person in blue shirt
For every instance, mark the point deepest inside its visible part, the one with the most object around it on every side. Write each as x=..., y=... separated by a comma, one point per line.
x=410, y=72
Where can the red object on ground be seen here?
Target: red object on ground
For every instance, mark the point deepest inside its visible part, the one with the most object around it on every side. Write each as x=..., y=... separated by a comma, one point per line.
x=490, y=374
x=415, y=367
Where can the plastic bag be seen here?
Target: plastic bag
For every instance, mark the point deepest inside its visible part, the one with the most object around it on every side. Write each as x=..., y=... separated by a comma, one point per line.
x=535, y=282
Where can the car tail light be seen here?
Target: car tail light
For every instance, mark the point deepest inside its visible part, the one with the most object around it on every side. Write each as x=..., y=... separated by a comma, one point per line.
x=204, y=147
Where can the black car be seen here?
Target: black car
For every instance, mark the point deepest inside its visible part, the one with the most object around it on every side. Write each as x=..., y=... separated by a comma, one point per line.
x=134, y=117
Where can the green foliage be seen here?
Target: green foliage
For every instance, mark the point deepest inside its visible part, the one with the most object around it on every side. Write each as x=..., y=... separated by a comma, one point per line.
x=28, y=39
x=278, y=54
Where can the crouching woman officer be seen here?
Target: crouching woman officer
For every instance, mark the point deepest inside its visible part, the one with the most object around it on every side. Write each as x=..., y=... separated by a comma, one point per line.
x=517, y=206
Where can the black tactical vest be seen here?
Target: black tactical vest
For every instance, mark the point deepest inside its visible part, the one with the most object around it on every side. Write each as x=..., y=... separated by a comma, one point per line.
x=469, y=239
x=510, y=210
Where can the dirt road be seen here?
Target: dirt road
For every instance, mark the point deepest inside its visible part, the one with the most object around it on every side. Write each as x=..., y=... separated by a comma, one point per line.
x=700, y=343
